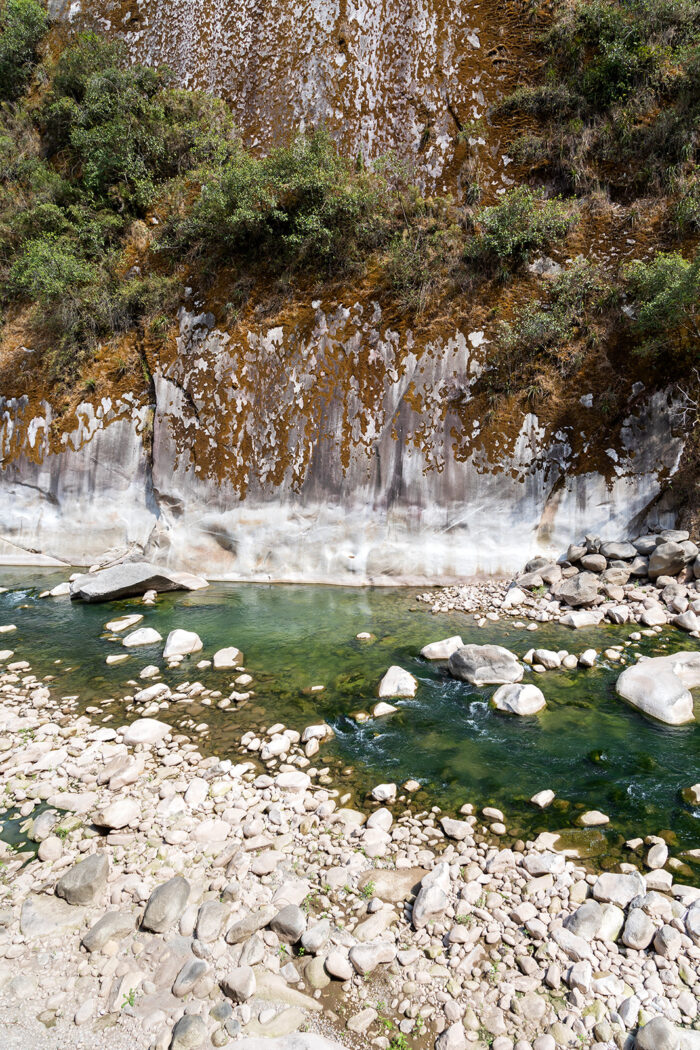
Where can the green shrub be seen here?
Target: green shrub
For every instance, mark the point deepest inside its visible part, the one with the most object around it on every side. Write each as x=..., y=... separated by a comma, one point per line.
x=552, y=333
x=298, y=206
x=23, y=24
x=666, y=297
x=48, y=268
x=524, y=222
x=685, y=210
x=417, y=262
x=627, y=71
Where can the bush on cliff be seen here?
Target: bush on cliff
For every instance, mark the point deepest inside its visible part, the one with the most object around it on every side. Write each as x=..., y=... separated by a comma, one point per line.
x=619, y=101
x=301, y=205
x=665, y=293
x=524, y=222
x=23, y=24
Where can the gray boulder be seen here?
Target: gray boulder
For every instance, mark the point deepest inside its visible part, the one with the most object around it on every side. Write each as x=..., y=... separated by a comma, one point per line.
x=593, y=563
x=43, y=917
x=392, y=885
x=210, y=919
x=193, y=970
x=619, y=889
x=166, y=904
x=593, y=920
x=660, y=687
x=189, y=1033
x=316, y=937
x=111, y=927
x=639, y=930
x=250, y=924
x=367, y=957
x=85, y=881
x=239, y=984
x=645, y=545
x=130, y=579
x=622, y=550
x=581, y=589
x=289, y=924
x=658, y=1034
x=485, y=665
x=687, y=621
x=430, y=903
x=666, y=560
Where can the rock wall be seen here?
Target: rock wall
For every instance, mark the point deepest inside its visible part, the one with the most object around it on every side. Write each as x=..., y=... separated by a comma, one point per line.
x=382, y=76
x=333, y=449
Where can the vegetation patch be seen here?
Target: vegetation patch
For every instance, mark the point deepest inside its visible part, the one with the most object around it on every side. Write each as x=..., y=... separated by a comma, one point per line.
x=618, y=103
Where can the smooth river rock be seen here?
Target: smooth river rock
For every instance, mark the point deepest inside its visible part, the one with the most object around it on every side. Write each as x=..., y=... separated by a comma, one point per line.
x=519, y=699
x=130, y=579
x=443, y=649
x=397, y=682
x=166, y=904
x=181, y=643
x=485, y=665
x=85, y=881
x=660, y=687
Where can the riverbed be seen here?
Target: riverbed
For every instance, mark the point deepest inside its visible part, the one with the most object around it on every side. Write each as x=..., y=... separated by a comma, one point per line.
x=588, y=746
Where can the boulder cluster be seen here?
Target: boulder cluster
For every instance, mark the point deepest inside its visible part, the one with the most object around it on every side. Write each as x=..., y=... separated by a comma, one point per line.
x=652, y=581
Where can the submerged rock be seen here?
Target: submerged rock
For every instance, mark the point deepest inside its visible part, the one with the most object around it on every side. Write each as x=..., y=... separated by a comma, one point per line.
x=485, y=665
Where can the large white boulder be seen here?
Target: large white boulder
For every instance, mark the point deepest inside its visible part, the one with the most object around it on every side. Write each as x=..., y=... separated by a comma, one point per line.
x=224, y=659
x=485, y=665
x=443, y=649
x=144, y=636
x=146, y=731
x=397, y=682
x=181, y=643
x=132, y=578
x=519, y=699
x=660, y=687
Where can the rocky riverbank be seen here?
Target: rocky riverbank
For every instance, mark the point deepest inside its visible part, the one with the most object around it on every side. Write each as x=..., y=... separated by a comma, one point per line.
x=653, y=581
x=181, y=901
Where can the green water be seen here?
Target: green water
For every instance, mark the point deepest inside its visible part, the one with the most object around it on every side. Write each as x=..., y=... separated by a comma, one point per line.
x=588, y=746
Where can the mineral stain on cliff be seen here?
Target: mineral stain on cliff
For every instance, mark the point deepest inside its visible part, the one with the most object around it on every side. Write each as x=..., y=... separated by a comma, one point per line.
x=390, y=366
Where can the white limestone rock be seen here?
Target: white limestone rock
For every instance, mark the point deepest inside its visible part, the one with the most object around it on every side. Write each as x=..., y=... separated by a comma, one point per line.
x=143, y=636
x=181, y=643
x=519, y=699
x=443, y=649
x=660, y=687
x=397, y=682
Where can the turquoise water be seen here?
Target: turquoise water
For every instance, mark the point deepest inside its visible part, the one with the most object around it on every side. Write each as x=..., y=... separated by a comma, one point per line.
x=588, y=746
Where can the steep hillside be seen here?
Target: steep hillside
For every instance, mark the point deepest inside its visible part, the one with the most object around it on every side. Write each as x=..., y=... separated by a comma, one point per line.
x=410, y=297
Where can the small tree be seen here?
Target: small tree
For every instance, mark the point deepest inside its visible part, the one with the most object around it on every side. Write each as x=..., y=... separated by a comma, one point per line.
x=23, y=23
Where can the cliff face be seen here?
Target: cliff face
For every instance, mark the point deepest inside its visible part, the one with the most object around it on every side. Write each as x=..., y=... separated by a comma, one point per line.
x=335, y=450
x=382, y=76
x=336, y=442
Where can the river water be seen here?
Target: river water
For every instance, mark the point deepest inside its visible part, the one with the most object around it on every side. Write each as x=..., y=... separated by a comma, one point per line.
x=588, y=746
